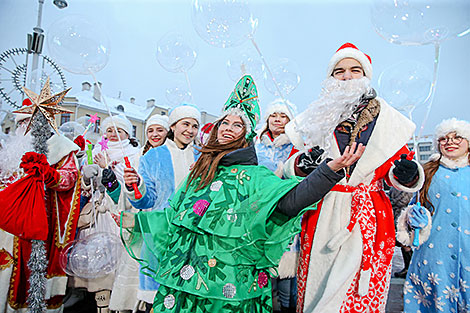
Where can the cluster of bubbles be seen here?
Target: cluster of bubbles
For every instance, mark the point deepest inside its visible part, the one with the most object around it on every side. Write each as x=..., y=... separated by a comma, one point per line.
x=94, y=256
x=409, y=84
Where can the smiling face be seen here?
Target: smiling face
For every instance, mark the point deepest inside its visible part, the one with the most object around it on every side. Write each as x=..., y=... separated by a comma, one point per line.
x=112, y=135
x=185, y=131
x=453, y=146
x=230, y=129
x=156, y=135
x=277, y=122
x=348, y=69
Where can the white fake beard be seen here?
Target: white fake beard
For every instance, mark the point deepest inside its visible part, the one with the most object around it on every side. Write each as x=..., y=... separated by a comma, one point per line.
x=12, y=150
x=338, y=100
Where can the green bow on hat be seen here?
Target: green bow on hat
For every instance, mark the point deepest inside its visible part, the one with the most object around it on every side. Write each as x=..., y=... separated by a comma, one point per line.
x=244, y=98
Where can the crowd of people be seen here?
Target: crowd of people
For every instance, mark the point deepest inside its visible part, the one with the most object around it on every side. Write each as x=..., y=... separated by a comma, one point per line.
x=290, y=214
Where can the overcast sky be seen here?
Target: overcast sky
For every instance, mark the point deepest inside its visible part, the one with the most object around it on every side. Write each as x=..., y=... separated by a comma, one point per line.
x=306, y=32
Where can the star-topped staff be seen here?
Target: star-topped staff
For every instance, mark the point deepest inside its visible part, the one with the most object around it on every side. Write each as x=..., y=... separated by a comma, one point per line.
x=43, y=109
x=104, y=146
x=46, y=103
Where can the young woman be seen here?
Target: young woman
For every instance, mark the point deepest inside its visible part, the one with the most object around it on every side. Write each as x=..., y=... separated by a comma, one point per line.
x=229, y=222
x=273, y=149
x=126, y=291
x=100, y=203
x=438, y=278
x=162, y=169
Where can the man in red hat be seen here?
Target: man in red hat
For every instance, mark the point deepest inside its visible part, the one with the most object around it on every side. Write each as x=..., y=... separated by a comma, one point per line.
x=347, y=243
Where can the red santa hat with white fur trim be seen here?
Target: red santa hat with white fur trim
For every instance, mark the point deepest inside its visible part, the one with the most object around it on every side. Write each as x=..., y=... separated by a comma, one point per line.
x=348, y=50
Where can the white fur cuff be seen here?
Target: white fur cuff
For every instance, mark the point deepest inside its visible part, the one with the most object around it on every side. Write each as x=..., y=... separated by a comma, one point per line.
x=288, y=265
x=416, y=186
x=364, y=279
x=406, y=236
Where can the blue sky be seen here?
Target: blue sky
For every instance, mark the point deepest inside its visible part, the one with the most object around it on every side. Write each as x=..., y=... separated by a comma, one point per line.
x=306, y=32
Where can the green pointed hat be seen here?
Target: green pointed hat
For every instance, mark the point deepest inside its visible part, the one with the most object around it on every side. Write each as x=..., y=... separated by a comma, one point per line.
x=243, y=101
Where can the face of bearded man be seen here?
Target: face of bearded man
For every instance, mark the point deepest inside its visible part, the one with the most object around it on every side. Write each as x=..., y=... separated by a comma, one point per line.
x=338, y=100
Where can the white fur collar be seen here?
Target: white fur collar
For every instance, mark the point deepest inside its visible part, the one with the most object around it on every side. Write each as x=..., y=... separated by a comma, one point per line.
x=453, y=164
x=279, y=141
x=59, y=147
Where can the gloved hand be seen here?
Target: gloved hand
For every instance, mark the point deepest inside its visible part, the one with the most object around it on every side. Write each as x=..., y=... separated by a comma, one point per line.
x=308, y=161
x=109, y=180
x=417, y=217
x=405, y=170
x=80, y=141
x=89, y=171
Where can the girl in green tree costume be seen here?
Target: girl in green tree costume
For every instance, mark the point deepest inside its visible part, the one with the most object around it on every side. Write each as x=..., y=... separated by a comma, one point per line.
x=230, y=222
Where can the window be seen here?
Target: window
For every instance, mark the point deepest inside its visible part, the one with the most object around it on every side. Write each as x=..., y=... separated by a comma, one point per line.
x=163, y=113
x=134, y=131
x=64, y=118
x=97, y=127
x=424, y=157
x=7, y=130
x=424, y=148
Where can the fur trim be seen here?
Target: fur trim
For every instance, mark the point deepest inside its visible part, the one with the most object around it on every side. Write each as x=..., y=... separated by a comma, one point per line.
x=184, y=110
x=288, y=264
x=399, y=186
x=337, y=241
x=294, y=135
x=238, y=112
x=157, y=119
x=460, y=127
x=281, y=106
x=59, y=147
x=404, y=233
x=279, y=141
x=120, y=121
x=453, y=164
x=353, y=53
x=364, y=280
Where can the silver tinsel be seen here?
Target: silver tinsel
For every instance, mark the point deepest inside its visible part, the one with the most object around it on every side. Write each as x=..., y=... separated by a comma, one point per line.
x=41, y=132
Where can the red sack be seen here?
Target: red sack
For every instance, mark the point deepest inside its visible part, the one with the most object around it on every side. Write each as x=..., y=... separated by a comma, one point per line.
x=23, y=208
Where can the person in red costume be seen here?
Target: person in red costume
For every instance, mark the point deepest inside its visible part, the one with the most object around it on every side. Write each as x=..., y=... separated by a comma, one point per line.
x=59, y=173
x=347, y=243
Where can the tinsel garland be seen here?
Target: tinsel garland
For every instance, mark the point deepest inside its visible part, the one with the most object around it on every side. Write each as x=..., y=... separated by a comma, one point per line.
x=37, y=264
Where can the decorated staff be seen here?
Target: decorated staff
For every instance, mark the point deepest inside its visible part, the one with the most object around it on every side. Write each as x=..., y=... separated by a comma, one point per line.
x=29, y=216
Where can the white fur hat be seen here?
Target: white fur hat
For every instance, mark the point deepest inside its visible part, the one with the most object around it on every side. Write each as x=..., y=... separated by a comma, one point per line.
x=348, y=50
x=157, y=119
x=281, y=106
x=120, y=120
x=184, y=110
x=460, y=127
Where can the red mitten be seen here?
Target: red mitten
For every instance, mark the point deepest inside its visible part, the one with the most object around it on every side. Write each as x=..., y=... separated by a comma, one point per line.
x=32, y=162
x=80, y=141
x=51, y=175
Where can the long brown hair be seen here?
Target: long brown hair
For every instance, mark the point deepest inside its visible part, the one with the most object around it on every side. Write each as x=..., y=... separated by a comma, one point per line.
x=211, y=154
x=430, y=168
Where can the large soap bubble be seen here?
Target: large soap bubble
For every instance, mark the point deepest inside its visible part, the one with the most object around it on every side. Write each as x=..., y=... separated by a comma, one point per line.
x=286, y=77
x=245, y=62
x=175, y=53
x=94, y=256
x=223, y=23
x=405, y=85
x=71, y=129
x=78, y=45
x=178, y=92
x=419, y=22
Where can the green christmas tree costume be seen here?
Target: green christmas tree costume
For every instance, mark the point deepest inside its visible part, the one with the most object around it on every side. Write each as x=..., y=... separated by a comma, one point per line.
x=215, y=246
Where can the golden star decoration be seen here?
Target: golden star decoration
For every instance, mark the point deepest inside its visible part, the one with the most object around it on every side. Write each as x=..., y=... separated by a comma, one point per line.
x=45, y=103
